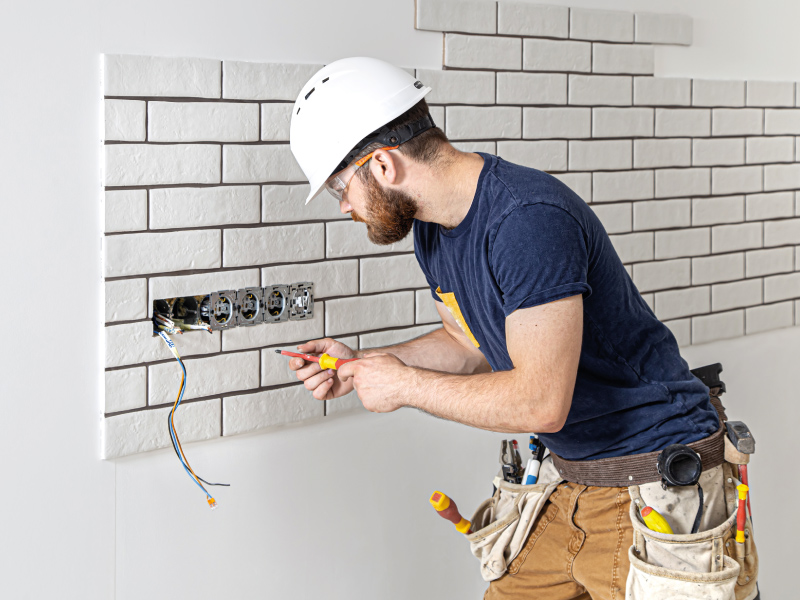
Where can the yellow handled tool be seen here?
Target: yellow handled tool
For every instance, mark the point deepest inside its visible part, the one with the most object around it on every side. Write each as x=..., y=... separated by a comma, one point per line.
x=448, y=510
x=654, y=520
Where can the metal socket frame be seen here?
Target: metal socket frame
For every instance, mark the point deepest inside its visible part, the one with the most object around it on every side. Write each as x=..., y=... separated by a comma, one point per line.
x=250, y=307
x=222, y=312
x=301, y=301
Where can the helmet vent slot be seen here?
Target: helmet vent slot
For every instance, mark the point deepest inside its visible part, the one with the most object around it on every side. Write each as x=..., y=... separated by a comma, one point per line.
x=309, y=93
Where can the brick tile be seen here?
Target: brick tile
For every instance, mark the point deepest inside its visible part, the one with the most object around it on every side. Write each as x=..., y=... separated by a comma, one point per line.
x=769, y=262
x=662, y=153
x=530, y=88
x=140, y=253
x=781, y=177
x=770, y=206
x=271, y=408
x=737, y=121
x=687, y=242
x=381, y=339
x=781, y=233
x=482, y=52
x=738, y=294
x=425, y=307
x=682, y=303
x=597, y=155
x=489, y=122
x=487, y=147
x=142, y=164
x=622, y=185
x=682, y=330
x=265, y=81
x=680, y=122
x=274, y=244
x=284, y=203
x=606, y=25
x=770, y=93
x=671, y=183
x=797, y=312
x=552, y=55
x=331, y=278
x=710, y=92
x=616, y=218
x=714, y=269
x=721, y=326
x=348, y=315
x=470, y=16
x=257, y=164
x=653, y=276
x=599, y=90
x=173, y=208
x=126, y=300
x=348, y=238
x=781, y=121
x=126, y=210
x=619, y=58
x=125, y=389
x=144, y=430
x=781, y=287
x=542, y=155
x=633, y=247
x=657, y=28
x=272, y=334
x=458, y=87
x=202, y=122
x=650, y=300
x=729, y=238
x=714, y=211
x=276, y=119
x=522, y=18
x=770, y=149
x=580, y=183
x=174, y=286
x=766, y=318
x=546, y=123
x=662, y=91
x=722, y=151
x=134, y=343
x=735, y=180
x=130, y=75
x=124, y=120
x=622, y=122
x=662, y=214
x=388, y=273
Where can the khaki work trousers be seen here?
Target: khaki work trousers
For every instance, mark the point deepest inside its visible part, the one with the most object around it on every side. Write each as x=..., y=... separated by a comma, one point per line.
x=578, y=548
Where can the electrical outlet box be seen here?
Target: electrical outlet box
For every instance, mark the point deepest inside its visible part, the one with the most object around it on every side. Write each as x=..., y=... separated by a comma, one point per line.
x=250, y=302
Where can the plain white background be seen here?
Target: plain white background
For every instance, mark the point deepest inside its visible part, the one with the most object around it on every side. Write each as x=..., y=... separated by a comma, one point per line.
x=330, y=510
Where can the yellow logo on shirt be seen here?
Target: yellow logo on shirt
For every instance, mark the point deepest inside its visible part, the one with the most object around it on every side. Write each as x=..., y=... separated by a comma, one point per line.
x=449, y=299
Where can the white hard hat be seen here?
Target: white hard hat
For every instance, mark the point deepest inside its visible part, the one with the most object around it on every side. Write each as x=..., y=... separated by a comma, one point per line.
x=340, y=106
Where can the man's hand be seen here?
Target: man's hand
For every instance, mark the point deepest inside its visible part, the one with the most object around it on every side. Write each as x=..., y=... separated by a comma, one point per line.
x=380, y=380
x=324, y=385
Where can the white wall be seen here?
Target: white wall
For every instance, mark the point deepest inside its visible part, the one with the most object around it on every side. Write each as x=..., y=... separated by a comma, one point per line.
x=335, y=512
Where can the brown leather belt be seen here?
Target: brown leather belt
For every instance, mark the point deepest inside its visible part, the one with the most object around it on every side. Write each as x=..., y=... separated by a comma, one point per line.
x=637, y=469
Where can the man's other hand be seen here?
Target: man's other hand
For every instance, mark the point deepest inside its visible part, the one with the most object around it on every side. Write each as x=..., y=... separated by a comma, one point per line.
x=381, y=380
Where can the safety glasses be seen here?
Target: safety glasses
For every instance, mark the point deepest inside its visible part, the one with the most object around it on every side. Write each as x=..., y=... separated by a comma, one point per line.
x=337, y=184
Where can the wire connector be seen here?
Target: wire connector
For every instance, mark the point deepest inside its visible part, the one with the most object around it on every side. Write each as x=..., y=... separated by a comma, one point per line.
x=212, y=503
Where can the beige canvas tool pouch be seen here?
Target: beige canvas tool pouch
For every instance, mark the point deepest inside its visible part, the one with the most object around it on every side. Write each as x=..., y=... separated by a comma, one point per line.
x=502, y=523
x=692, y=566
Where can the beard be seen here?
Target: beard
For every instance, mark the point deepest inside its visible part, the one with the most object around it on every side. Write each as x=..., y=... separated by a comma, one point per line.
x=389, y=213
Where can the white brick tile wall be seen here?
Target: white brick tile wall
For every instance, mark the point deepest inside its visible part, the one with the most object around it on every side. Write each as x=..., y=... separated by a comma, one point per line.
x=133, y=344
x=769, y=262
x=265, y=245
x=173, y=208
x=523, y=18
x=685, y=242
x=606, y=25
x=737, y=121
x=616, y=218
x=380, y=339
x=770, y=93
x=662, y=214
x=781, y=177
x=729, y=238
x=662, y=91
x=682, y=330
x=458, y=87
x=256, y=164
x=634, y=247
x=769, y=206
x=781, y=233
x=425, y=307
x=781, y=121
x=124, y=120
x=737, y=294
x=622, y=185
x=720, y=326
x=722, y=151
x=139, y=253
x=284, y=203
x=487, y=147
x=730, y=180
x=657, y=28
x=682, y=303
x=348, y=238
x=600, y=155
x=202, y=122
x=489, y=122
x=600, y=90
x=714, y=269
x=276, y=118
x=388, y=273
x=126, y=210
x=470, y=16
x=142, y=164
x=551, y=55
x=677, y=122
x=682, y=182
x=126, y=389
x=264, y=81
x=711, y=92
x=619, y=58
x=622, y=122
x=258, y=336
x=482, y=52
x=781, y=287
x=351, y=315
x=271, y=408
x=201, y=283
x=544, y=123
x=129, y=75
x=664, y=275
x=715, y=211
x=331, y=278
x=144, y=430
x=662, y=153
x=772, y=316
x=531, y=88
x=580, y=183
x=126, y=300
x=543, y=155
x=770, y=149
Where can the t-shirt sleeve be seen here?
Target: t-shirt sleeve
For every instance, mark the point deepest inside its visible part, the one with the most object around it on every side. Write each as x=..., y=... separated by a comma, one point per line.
x=420, y=246
x=539, y=255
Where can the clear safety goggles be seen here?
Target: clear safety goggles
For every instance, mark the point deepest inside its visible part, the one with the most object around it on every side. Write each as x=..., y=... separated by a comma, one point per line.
x=337, y=185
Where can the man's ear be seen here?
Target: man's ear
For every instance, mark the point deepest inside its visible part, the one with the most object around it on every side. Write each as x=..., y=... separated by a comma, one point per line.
x=385, y=166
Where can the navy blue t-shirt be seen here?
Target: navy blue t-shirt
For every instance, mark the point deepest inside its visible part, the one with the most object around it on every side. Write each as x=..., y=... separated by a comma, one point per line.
x=528, y=240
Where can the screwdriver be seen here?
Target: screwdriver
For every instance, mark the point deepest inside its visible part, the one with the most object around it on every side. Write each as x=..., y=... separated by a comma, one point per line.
x=325, y=360
x=448, y=510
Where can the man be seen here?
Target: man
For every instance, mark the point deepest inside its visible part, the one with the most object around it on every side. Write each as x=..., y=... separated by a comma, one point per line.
x=543, y=329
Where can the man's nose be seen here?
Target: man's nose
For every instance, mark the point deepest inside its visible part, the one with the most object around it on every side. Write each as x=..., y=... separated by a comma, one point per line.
x=344, y=207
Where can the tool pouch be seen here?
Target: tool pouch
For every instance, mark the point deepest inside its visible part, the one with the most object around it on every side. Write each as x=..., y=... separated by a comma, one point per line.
x=502, y=523
x=708, y=565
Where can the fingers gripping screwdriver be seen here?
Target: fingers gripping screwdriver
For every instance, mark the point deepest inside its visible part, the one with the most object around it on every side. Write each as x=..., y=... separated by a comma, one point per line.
x=325, y=360
x=448, y=510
